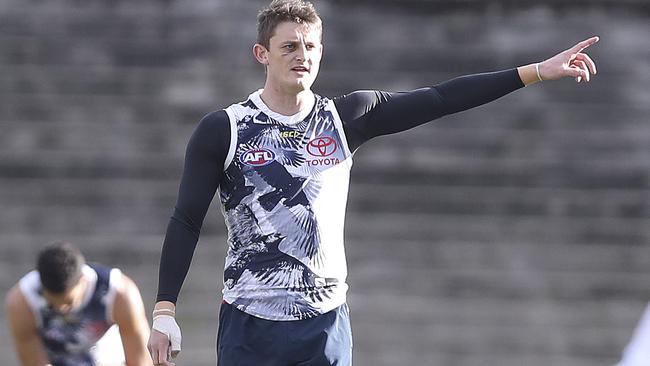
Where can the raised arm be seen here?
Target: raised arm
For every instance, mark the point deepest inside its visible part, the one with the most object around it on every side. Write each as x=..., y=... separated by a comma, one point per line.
x=129, y=315
x=367, y=114
x=27, y=342
x=204, y=164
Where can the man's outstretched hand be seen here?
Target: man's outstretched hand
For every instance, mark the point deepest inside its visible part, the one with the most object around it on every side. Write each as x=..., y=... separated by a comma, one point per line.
x=570, y=63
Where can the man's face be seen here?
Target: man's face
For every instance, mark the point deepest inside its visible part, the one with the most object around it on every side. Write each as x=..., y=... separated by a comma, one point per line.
x=66, y=301
x=293, y=57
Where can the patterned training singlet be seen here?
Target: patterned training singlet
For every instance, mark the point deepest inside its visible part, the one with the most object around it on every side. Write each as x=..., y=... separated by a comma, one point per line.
x=69, y=338
x=283, y=198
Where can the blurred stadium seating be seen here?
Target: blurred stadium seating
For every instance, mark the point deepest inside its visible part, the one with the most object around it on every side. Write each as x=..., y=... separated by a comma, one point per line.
x=513, y=234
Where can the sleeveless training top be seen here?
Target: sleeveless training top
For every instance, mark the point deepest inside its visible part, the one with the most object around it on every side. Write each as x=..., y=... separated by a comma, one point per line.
x=283, y=197
x=68, y=338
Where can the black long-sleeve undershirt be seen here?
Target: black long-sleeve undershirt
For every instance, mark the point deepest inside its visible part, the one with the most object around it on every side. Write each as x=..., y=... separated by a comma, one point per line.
x=204, y=158
x=368, y=114
x=365, y=114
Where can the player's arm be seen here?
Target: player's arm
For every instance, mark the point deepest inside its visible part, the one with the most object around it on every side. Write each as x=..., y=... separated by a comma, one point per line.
x=130, y=316
x=370, y=113
x=367, y=114
x=27, y=342
x=203, y=171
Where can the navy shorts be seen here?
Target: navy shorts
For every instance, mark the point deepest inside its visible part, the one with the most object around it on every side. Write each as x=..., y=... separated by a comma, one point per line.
x=246, y=340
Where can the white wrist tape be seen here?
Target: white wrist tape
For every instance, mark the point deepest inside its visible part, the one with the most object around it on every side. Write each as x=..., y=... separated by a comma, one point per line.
x=167, y=325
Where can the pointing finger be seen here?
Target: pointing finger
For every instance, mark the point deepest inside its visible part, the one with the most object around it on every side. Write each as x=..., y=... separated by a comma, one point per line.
x=584, y=44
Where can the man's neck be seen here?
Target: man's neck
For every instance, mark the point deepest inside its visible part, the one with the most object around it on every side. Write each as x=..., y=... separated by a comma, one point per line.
x=286, y=104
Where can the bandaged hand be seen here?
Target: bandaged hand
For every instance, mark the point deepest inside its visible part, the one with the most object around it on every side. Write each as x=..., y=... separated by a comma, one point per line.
x=165, y=339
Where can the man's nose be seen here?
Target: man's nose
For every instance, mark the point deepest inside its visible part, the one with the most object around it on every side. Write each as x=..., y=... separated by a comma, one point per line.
x=301, y=53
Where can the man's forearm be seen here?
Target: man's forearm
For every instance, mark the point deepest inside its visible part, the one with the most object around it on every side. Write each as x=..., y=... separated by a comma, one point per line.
x=175, y=259
x=470, y=91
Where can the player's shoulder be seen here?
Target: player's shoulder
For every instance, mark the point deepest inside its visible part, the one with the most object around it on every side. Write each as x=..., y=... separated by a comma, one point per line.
x=357, y=103
x=362, y=94
x=214, y=120
x=15, y=300
x=215, y=116
x=127, y=298
x=359, y=98
x=30, y=283
x=240, y=110
x=122, y=284
x=18, y=312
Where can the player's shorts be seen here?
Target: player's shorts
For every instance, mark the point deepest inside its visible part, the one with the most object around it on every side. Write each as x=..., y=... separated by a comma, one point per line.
x=108, y=350
x=246, y=340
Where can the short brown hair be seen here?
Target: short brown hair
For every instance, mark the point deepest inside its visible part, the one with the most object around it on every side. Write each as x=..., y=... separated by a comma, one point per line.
x=297, y=11
x=59, y=265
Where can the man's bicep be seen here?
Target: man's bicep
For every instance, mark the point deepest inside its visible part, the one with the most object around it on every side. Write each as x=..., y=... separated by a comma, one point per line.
x=203, y=168
x=355, y=112
x=374, y=113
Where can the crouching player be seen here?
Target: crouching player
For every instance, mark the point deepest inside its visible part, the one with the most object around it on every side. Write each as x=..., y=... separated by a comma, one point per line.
x=69, y=313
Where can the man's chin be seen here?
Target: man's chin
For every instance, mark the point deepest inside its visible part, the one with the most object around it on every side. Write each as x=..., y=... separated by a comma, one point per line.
x=301, y=85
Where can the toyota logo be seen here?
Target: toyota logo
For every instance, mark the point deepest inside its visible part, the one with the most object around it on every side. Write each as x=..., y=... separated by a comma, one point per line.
x=321, y=146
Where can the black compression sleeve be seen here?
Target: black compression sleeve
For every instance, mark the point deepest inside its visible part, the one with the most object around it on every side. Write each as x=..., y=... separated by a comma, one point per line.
x=367, y=114
x=204, y=162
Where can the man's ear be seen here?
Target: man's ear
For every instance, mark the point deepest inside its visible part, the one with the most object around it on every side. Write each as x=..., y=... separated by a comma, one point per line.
x=261, y=54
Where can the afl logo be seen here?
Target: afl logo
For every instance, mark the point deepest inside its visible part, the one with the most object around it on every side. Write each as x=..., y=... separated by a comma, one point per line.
x=321, y=146
x=257, y=157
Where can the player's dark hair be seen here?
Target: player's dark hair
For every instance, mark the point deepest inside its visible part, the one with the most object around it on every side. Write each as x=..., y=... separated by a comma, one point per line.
x=297, y=11
x=59, y=264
